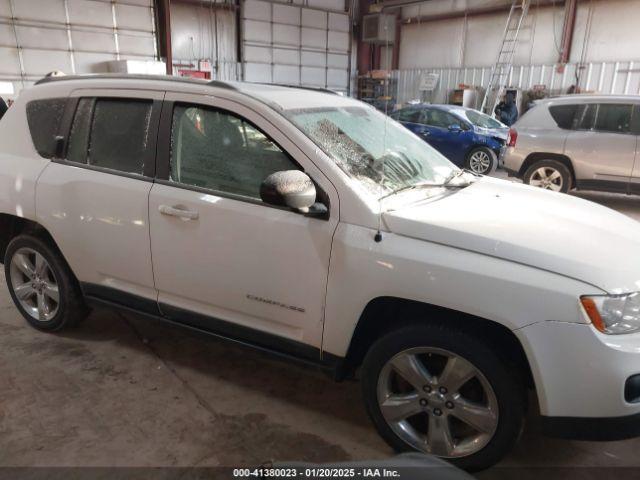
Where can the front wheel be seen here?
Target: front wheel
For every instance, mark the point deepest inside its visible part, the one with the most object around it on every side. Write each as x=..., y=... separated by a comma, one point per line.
x=481, y=160
x=444, y=392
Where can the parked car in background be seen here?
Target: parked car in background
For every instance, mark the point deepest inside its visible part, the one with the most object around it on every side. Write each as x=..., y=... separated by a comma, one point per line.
x=586, y=142
x=465, y=136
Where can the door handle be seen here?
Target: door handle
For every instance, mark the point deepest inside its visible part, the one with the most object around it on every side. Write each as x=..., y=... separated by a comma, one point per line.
x=424, y=133
x=178, y=212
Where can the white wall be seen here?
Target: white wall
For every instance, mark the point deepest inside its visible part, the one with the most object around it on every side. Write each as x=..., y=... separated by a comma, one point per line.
x=474, y=42
x=296, y=45
x=74, y=36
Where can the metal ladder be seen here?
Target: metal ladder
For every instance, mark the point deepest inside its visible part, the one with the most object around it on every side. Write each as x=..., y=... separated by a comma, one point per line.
x=502, y=68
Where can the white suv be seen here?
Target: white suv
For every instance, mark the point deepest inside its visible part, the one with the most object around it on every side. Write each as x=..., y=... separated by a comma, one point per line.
x=310, y=225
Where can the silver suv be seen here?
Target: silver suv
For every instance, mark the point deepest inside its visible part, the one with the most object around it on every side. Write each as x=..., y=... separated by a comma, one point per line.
x=585, y=142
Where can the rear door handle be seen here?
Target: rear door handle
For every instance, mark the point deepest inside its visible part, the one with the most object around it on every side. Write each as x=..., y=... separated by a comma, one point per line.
x=178, y=212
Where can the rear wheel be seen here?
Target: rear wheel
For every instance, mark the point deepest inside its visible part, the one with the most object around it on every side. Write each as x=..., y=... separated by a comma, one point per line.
x=41, y=284
x=549, y=175
x=481, y=160
x=444, y=392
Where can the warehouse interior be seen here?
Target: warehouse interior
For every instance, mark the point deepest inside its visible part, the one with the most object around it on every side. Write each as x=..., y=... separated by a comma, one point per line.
x=122, y=392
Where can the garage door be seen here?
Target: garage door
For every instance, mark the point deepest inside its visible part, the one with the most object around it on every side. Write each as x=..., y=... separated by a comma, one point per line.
x=74, y=36
x=296, y=45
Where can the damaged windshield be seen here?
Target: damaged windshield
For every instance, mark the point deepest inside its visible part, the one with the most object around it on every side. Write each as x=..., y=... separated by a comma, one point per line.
x=380, y=153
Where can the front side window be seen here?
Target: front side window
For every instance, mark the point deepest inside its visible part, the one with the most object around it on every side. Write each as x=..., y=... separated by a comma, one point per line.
x=216, y=150
x=376, y=151
x=110, y=133
x=613, y=117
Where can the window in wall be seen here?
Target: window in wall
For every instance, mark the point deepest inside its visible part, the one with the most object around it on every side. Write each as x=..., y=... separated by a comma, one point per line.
x=217, y=150
x=613, y=117
x=111, y=133
x=43, y=117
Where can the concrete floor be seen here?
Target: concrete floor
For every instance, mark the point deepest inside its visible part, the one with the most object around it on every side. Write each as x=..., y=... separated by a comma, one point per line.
x=123, y=391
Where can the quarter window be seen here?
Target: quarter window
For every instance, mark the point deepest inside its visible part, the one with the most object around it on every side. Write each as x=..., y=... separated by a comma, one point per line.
x=111, y=134
x=217, y=150
x=564, y=115
x=43, y=117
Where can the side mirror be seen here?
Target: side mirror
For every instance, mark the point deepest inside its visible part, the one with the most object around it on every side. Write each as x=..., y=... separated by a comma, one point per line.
x=455, y=128
x=289, y=188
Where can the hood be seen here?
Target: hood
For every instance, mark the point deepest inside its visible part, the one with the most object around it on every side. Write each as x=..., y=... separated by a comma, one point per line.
x=547, y=230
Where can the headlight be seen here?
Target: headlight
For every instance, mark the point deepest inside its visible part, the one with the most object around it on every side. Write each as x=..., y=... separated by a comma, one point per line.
x=614, y=314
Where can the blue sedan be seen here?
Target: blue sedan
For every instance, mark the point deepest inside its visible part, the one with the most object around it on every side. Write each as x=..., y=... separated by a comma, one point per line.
x=468, y=138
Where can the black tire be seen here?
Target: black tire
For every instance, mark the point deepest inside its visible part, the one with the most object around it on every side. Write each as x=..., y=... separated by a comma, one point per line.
x=472, y=165
x=550, y=166
x=507, y=386
x=71, y=308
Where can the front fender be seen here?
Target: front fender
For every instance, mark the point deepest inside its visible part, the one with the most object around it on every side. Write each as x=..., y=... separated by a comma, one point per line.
x=506, y=292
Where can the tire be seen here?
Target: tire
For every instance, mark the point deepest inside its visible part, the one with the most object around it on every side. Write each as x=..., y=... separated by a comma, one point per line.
x=38, y=274
x=503, y=400
x=481, y=160
x=549, y=175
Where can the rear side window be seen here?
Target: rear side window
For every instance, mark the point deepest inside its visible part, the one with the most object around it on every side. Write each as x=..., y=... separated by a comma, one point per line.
x=613, y=117
x=586, y=116
x=564, y=115
x=439, y=118
x=411, y=115
x=635, y=120
x=43, y=117
x=110, y=133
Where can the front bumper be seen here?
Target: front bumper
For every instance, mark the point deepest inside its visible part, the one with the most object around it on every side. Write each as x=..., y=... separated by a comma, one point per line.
x=607, y=429
x=580, y=376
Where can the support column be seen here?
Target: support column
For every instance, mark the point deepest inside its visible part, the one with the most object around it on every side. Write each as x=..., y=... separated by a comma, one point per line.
x=164, y=32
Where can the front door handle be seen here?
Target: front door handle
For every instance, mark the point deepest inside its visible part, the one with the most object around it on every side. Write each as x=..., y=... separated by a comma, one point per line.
x=425, y=133
x=178, y=211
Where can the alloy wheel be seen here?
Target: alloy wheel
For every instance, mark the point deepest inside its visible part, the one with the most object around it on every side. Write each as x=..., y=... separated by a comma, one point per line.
x=437, y=402
x=480, y=162
x=548, y=178
x=34, y=284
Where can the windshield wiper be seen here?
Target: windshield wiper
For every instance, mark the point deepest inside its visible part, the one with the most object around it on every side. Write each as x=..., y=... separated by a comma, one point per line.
x=453, y=176
x=421, y=185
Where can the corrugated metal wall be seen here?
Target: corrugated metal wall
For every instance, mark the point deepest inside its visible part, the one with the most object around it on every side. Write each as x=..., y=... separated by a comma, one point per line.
x=602, y=77
x=74, y=36
x=605, y=31
x=297, y=45
x=205, y=32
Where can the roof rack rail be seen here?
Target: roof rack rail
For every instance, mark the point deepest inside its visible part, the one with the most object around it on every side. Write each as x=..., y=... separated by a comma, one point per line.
x=300, y=87
x=221, y=84
x=122, y=76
